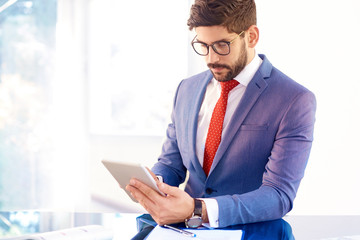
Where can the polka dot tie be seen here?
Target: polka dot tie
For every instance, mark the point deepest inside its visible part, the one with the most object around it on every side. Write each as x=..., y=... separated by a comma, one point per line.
x=213, y=137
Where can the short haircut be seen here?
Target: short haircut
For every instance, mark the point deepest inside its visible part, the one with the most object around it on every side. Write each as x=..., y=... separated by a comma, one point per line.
x=235, y=15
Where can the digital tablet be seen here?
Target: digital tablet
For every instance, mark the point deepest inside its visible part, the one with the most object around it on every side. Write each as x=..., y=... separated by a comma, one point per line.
x=124, y=171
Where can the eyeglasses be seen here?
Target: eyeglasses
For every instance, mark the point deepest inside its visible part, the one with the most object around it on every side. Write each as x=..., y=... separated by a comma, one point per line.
x=220, y=47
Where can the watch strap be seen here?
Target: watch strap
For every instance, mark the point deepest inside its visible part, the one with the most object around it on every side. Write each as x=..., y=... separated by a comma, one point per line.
x=198, y=207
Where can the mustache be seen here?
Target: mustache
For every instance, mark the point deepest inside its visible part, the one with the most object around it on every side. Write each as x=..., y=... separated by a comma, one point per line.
x=216, y=65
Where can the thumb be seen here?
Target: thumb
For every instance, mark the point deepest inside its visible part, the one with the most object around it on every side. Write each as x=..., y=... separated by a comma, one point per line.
x=152, y=174
x=169, y=190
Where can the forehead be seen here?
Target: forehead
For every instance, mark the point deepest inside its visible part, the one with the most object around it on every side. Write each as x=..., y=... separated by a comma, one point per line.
x=213, y=33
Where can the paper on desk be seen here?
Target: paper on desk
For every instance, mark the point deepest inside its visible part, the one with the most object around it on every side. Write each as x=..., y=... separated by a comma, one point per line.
x=357, y=237
x=159, y=233
x=90, y=232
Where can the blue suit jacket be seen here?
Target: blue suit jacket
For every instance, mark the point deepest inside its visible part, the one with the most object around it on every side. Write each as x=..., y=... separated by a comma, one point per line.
x=262, y=158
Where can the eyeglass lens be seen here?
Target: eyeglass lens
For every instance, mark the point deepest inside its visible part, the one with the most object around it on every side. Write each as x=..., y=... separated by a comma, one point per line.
x=221, y=48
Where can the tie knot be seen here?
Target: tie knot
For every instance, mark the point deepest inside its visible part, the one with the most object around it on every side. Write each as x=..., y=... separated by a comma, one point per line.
x=228, y=85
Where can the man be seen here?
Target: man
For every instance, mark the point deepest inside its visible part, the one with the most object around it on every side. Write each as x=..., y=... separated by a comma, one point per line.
x=244, y=166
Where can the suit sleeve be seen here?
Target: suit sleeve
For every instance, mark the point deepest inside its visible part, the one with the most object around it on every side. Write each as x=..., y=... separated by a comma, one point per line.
x=169, y=164
x=283, y=172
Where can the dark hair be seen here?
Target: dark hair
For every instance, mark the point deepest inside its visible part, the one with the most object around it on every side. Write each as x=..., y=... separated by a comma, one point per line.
x=235, y=15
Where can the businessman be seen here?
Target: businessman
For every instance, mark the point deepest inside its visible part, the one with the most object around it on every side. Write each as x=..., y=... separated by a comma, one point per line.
x=242, y=130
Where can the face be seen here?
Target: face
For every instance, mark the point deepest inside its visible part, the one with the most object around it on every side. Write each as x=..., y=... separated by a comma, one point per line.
x=224, y=68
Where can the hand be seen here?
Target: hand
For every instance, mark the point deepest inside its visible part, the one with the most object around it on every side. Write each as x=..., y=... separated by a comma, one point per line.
x=175, y=207
x=153, y=175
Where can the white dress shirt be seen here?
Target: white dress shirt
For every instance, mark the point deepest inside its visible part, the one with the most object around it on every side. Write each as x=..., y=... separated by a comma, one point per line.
x=212, y=95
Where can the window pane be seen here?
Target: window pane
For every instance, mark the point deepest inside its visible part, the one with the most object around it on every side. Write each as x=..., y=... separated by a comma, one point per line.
x=27, y=46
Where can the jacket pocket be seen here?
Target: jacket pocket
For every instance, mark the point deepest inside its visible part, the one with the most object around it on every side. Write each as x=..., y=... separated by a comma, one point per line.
x=254, y=127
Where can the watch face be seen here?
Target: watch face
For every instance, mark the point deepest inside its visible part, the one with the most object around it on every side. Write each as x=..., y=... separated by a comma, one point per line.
x=194, y=222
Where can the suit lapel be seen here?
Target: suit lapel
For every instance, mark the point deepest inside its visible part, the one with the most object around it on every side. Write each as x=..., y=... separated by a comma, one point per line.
x=253, y=91
x=193, y=122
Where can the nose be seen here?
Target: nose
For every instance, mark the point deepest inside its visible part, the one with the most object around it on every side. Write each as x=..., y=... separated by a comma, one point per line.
x=212, y=57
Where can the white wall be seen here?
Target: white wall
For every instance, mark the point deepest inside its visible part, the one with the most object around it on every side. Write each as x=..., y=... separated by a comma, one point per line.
x=316, y=43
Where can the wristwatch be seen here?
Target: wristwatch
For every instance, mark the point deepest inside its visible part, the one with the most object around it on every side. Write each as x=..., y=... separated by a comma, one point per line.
x=196, y=219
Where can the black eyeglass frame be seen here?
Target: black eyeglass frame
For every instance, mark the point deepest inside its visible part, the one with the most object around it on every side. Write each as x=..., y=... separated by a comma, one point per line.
x=212, y=45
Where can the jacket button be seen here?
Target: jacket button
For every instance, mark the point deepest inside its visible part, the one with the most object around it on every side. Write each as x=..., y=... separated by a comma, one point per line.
x=208, y=191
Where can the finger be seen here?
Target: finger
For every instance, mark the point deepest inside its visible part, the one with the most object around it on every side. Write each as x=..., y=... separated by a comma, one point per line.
x=134, y=192
x=145, y=202
x=146, y=190
x=169, y=190
x=152, y=174
x=140, y=197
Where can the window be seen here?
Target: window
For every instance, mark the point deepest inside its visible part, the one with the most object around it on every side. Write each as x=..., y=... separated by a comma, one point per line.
x=27, y=48
x=42, y=161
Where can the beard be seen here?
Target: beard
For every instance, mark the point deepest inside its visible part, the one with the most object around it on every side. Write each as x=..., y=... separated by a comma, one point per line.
x=233, y=70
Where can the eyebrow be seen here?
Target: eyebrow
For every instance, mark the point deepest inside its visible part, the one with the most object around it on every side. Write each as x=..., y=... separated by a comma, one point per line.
x=221, y=40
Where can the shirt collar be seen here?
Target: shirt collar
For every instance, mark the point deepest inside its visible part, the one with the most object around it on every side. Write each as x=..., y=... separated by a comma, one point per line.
x=245, y=76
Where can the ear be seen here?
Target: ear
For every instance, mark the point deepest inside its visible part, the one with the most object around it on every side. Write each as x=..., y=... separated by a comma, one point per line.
x=253, y=36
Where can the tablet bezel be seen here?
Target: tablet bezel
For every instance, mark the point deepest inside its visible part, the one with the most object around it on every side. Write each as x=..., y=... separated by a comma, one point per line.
x=124, y=171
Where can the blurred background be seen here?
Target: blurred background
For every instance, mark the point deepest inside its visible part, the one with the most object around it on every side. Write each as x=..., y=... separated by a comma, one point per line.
x=84, y=80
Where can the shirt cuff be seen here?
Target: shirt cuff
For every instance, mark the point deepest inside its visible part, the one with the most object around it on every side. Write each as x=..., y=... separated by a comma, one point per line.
x=212, y=209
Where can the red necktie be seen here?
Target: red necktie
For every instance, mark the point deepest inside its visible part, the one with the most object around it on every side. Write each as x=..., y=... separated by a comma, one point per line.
x=216, y=124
